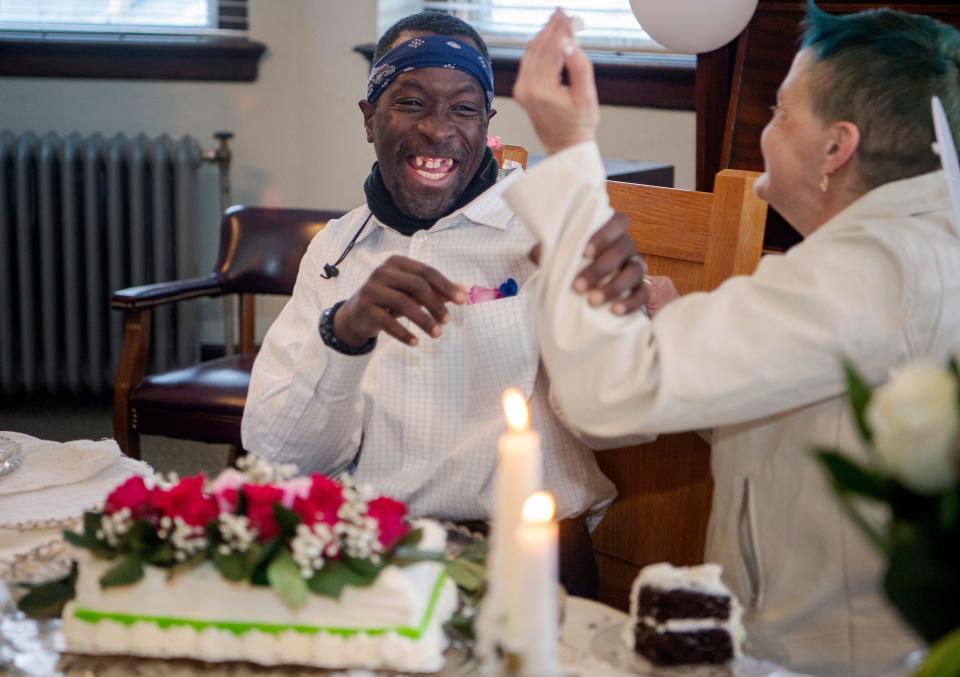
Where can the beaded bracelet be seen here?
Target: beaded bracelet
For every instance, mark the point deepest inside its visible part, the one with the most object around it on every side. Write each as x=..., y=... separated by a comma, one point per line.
x=331, y=340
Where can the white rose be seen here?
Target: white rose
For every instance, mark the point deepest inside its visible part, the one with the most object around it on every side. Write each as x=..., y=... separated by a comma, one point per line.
x=915, y=420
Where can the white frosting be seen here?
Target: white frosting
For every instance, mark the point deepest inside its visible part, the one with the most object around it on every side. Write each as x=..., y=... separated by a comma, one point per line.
x=704, y=579
x=398, y=599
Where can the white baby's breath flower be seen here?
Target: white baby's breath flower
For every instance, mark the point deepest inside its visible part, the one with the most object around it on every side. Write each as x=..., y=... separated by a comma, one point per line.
x=238, y=535
x=261, y=471
x=915, y=422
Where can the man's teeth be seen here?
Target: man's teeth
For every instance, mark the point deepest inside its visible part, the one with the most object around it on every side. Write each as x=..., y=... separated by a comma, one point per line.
x=433, y=162
x=433, y=176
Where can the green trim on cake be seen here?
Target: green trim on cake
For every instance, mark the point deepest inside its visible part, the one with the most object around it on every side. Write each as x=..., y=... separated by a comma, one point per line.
x=241, y=627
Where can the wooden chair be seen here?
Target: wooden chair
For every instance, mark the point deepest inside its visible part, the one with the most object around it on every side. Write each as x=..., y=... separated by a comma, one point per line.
x=507, y=152
x=260, y=252
x=665, y=488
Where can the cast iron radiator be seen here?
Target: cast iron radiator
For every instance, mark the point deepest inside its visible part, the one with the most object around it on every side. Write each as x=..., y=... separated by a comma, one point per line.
x=81, y=217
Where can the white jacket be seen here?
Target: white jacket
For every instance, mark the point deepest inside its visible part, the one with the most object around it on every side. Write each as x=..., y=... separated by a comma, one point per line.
x=759, y=360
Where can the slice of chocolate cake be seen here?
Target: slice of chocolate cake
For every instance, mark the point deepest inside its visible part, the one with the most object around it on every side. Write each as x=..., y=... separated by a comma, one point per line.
x=684, y=616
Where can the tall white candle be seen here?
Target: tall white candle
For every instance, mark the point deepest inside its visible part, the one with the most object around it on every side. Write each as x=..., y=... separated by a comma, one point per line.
x=519, y=474
x=537, y=538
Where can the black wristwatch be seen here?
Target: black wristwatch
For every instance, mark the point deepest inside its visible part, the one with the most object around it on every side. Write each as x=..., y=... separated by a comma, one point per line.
x=331, y=340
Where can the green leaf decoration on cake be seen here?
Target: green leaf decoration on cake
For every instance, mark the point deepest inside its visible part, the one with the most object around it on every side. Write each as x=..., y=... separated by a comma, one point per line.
x=262, y=560
x=410, y=540
x=91, y=523
x=164, y=555
x=183, y=567
x=234, y=566
x=285, y=579
x=365, y=571
x=47, y=600
x=405, y=551
x=287, y=520
x=332, y=579
x=467, y=574
x=141, y=538
x=128, y=570
x=88, y=543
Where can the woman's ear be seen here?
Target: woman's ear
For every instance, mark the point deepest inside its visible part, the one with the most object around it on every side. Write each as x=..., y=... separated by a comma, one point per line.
x=842, y=144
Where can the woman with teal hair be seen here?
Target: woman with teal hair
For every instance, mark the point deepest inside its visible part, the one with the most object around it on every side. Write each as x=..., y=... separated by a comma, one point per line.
x=850, y=162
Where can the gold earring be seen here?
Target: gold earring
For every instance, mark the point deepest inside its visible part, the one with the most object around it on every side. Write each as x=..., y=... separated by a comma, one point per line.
x=824, y=182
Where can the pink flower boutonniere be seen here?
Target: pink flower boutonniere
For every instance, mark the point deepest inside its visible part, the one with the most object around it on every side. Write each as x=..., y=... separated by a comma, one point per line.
x=478, y=294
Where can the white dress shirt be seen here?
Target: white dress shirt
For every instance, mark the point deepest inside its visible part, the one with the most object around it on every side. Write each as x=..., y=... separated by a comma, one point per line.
x=420, y=424
x=759, y=359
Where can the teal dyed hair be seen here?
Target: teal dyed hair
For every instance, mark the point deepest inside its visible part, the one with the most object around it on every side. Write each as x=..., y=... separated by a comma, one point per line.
x=879, y=69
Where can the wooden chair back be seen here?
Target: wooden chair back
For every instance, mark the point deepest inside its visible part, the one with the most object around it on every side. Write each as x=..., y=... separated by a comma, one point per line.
x=665, y=488
x=505, y=152
x=517, y=154
x=260, y=252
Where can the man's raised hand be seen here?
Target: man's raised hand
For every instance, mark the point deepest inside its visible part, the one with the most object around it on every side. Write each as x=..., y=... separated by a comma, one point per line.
x=400, y=287
x=563, y=115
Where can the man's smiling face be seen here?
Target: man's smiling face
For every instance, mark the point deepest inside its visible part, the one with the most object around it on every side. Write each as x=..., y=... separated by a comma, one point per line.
x=429, y=131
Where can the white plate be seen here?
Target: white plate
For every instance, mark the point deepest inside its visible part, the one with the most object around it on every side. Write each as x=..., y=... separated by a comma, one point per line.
x=608, y=646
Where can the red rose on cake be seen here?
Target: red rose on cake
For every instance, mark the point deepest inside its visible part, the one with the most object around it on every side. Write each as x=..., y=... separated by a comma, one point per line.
x=391, y=519
x=315, y=499
x=260, y=500
x=187, y=500
x=133, y=495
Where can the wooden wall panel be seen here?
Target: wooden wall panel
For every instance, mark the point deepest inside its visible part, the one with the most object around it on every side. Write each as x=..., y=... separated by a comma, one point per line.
x=763, y=54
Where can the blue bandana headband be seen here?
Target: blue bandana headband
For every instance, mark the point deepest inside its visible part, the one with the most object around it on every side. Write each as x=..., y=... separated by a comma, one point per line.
x=430, y=51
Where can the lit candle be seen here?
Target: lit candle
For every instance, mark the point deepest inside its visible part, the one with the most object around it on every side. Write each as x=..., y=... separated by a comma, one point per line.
x=519, y=474
x=537, y=537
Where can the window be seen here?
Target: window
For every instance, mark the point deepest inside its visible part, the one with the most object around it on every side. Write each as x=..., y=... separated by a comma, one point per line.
x=126, y=17
x=609, y=25
x=128, y=39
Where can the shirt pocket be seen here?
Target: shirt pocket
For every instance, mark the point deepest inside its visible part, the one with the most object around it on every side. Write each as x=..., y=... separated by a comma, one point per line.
x=500, y=352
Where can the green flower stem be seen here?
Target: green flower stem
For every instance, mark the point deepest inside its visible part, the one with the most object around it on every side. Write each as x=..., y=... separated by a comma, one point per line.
x=880, y=542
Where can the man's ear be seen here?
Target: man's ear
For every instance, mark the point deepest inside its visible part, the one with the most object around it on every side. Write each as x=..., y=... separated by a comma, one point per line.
x=842, y=144
x=491, y=113
x=368, y=109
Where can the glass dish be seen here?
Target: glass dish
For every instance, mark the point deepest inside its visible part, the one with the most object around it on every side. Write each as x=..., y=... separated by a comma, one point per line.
x=11, y=455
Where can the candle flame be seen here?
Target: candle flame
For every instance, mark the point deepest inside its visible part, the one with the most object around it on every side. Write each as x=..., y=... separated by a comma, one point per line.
x=540, y=508
x=515, y=408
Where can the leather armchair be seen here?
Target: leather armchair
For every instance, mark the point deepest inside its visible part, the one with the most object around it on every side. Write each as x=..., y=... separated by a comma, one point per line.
x=260, y=252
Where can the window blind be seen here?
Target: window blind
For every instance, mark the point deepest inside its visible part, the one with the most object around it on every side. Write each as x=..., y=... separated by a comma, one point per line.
x=608, y=24
x=126, y=17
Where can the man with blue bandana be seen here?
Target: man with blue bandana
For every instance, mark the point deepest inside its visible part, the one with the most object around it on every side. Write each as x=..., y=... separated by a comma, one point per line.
x=417, y=414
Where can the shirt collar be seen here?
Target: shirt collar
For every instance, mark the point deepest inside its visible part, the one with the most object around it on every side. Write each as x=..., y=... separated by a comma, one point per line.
x=907, y=197
x=488, y=209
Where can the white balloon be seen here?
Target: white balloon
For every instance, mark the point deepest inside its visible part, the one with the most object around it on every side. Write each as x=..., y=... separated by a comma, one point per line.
x=693, y=26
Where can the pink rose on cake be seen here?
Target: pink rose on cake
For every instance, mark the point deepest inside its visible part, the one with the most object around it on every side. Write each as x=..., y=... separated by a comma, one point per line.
x=391, y=519
x=226, y=489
